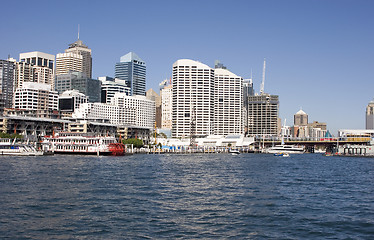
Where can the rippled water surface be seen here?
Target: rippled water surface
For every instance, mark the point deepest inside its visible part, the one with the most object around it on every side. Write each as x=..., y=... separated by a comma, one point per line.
x=248, y=196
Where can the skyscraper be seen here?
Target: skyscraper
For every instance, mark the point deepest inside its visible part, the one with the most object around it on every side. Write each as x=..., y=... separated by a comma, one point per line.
x=193, y=99
x=66, y=62
x=152, y=95
x=300, y=128
x=76, y=58
x=166, y=92
x=370, y=115
x=79, y=48
x=228, y=102
x=42, y=67
x=132, y=69
x=263, y=115
x=6, y=84
x=300, y=118
x=247, y=91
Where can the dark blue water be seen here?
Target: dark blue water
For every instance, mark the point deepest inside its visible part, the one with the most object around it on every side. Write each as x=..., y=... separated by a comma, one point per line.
x=187, y=197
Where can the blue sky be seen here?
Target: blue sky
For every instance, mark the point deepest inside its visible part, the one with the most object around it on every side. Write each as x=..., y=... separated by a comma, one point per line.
x=319, y=53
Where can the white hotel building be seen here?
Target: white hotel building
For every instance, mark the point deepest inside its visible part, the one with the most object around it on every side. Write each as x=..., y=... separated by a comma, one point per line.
x=228, y=103
x=193, y=99
x=206, y=101
x=136, y=111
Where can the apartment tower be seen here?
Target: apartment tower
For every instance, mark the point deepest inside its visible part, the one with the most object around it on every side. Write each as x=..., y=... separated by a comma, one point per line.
x=193, y=99
x=228, y=102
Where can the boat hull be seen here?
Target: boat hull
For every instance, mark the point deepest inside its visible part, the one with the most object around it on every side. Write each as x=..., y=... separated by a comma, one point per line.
x=82, y=153
x=289, y=149
x=37, y=153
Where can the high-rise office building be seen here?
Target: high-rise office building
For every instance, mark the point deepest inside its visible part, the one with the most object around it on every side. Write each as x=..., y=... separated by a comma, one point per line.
x=79, y=48
x=166, y=93
x=263, y=115
x=228, y=102
x=300, y=118
x=247, y=91
x=111, y=86
x=42, y=67
x=7, y=69
x=193, y=99
x=152, y=95
x=66, y=62
x=76, y=58
x=132, y=69
x=79, y=81
x=370, y=115
x=38, y=59
x=23, y=72
x=300, y=128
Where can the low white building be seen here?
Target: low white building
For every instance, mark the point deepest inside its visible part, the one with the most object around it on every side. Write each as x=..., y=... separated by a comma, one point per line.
x=211, y=141
x=104, y=111
x=136, y=111
x=35, y=96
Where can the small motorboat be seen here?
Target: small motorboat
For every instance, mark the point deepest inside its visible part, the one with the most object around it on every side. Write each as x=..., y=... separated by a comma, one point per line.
x=282, y=154
x=234, y=152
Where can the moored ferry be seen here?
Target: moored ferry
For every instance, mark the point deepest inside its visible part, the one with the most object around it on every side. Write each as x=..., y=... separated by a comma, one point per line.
x=78, y=143
x=10, y=147
x=286, y=149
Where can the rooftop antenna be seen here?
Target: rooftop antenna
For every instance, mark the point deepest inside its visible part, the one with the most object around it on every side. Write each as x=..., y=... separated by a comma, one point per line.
x=263, y=78
x=78, y=31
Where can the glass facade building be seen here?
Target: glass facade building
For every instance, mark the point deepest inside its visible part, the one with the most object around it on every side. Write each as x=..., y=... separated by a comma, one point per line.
x=78, y=81
x=6, y=84
x=132, y=70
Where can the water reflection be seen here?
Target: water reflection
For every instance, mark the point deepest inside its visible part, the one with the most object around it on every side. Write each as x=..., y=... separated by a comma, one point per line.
x=189, y=196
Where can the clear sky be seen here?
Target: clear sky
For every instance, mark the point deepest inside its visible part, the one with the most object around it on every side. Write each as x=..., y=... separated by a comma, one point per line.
x=319, y=53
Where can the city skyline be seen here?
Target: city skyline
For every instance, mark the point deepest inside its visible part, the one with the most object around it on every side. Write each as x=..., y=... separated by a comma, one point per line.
x=319, y=54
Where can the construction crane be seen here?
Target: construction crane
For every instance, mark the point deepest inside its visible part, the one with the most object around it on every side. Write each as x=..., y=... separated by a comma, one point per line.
x=263, y=79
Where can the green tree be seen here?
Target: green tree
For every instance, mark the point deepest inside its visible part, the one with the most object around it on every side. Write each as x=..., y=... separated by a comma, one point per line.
x=137, y=143
x=7, y=135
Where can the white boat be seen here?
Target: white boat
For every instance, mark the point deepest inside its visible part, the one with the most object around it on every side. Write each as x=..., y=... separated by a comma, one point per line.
x=281, y=154
x=9, y=147
x=234, y=152
x=75, y=143
x=286, y=149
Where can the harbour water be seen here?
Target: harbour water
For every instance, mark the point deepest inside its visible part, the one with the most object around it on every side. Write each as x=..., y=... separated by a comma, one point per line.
x=198, y=196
